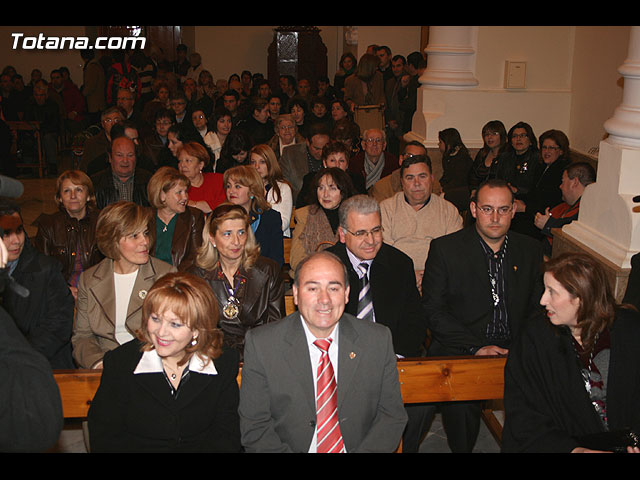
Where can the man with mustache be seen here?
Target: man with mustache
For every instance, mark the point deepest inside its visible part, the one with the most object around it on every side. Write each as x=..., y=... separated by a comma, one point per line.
x=479, y=285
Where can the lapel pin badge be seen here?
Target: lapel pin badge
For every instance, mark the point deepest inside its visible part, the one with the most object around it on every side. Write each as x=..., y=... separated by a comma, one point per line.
x=515, y=268
x=142, y=294
x=352, y=355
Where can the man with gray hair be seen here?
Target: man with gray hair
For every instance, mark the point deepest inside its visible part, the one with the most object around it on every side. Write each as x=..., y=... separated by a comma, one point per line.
x=374, y=162
x=383, y=289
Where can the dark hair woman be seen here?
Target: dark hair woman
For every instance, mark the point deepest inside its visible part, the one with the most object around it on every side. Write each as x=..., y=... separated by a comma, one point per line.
x=317, y=223
x=456, y=164
x=572, y=375
x=485, y=164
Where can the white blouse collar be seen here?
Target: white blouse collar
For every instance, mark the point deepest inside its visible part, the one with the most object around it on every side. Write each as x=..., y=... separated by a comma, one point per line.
x=150, y=362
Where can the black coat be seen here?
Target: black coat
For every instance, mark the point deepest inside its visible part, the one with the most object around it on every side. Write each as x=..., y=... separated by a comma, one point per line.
x=547, y=407
x=137, y=413
x=396, y=301
x=269, y=235
x=456, y=292
x=45, y=316
x=31, y=413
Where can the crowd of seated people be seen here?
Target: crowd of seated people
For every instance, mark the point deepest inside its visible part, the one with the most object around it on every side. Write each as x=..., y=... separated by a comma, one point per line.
x=194, y=185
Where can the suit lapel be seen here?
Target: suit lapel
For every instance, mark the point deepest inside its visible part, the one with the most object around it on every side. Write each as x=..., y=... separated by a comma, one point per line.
x=145, y=275
x=349, y=355
x=296, y=354
x=103, y=290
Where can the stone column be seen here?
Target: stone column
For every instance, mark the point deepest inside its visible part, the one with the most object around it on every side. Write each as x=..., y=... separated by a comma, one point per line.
x=609, y=220
x=451, y=53
x=450, y=66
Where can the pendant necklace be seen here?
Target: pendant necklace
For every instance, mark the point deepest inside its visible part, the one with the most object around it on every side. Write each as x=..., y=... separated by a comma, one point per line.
x=232, y=306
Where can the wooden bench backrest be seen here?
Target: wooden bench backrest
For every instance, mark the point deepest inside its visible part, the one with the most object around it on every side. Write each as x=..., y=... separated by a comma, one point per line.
x=422, y=380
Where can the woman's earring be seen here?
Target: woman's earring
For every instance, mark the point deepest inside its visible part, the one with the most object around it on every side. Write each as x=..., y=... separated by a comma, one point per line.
x=194, y=341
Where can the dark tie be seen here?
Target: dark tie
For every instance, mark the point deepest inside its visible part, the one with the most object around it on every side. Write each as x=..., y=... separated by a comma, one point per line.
x=365, y=301
x=329, y=438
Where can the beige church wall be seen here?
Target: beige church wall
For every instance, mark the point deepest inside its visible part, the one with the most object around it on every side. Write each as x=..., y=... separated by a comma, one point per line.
x=544, y=102
x=25, y=60
x=231, y=49
x=597, y=86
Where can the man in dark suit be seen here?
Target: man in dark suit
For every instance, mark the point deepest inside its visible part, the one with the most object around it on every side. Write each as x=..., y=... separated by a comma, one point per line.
x=479, y=285
x=283, y=360
x=388, y=275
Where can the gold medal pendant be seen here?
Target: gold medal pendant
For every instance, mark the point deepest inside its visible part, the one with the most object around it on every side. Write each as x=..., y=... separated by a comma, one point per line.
x=231, y=309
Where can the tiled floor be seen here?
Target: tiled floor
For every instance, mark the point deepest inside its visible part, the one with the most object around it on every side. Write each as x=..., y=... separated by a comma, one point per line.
x=38, y=197
x=72, y=439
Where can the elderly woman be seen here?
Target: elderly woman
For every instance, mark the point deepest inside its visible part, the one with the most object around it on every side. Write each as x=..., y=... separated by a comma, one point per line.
x=244, y=187
x=572, y=376
x=317, y=223
x=486, y=162
x=110, y=294
x=277, y=189
x=456, y=164
x=178, y=226
x=247, y=286
x=69, y=234
x=286, y=134
x=206, y=190
x=175, y=369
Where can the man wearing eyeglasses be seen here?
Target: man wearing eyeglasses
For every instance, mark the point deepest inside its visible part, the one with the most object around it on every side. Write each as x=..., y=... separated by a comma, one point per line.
x=479, y=285
x=374, y=161
x=383, y=285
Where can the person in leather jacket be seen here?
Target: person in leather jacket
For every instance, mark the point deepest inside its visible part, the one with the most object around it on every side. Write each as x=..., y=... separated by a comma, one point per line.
x=178, y=226
x=248, y=287
x=69, y=234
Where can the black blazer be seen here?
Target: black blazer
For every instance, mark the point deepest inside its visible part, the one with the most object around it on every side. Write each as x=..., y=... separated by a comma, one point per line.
x=45, y=316
x=136, y=413
x=456, y=292
x=547, y=407
x=269, y=235
x=396, y=301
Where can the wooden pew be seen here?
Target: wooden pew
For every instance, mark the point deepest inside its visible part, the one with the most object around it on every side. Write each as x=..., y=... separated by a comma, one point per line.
x=422, y=380
x=455, y=379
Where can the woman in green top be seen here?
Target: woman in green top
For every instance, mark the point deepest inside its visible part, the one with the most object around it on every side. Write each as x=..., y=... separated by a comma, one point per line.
x=178, y=227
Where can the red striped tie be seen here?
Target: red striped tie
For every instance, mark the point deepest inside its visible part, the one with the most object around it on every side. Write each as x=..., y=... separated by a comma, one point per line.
x=329, y=438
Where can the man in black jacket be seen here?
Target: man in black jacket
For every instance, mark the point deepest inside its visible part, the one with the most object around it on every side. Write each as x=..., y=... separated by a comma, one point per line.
x=41, y=303
x=390, y=279
x=122, y=181
x=479, y=286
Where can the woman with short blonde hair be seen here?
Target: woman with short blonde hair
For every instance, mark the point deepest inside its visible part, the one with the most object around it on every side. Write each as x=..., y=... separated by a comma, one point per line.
x=69, y=234
x=110, y=294
x=178, y=226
